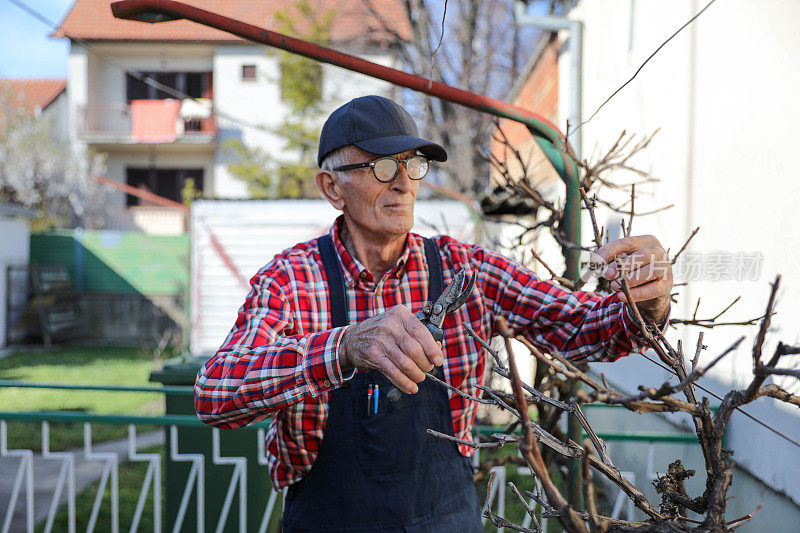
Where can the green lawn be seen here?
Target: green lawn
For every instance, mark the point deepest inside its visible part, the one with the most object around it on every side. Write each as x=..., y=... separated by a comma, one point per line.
x=82, y=365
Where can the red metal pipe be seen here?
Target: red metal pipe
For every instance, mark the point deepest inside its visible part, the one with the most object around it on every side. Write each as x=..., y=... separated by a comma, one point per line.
x=143, y=194
x=546, y=134
x=155, y=10
x=226, y=260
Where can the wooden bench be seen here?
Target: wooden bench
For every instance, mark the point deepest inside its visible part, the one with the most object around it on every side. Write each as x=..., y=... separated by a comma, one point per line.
x=57, y=304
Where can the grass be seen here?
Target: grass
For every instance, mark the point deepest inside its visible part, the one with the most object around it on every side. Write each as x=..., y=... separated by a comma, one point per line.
x=131, y=478
x=81, y=365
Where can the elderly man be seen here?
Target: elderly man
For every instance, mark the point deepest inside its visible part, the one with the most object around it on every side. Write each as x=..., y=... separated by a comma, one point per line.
x=328, y=328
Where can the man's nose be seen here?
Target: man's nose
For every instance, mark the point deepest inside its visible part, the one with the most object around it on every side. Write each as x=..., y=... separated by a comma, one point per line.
x=402, y=183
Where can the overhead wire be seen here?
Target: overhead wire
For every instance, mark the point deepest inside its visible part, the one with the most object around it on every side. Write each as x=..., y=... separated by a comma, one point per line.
x=178, y=94
x=638, y=70
x=718, y=397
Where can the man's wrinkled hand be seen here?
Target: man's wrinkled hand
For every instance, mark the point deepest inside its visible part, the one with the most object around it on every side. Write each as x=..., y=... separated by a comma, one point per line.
x=395, y=343
x=648, y=272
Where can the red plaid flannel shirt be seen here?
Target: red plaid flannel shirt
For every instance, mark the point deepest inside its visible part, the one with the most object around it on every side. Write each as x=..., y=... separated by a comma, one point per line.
x=280, y=358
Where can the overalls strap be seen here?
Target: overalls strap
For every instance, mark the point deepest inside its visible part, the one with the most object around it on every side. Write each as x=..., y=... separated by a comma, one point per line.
x=333, y=270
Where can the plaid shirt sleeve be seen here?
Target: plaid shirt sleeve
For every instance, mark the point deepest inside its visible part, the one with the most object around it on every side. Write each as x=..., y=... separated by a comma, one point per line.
x=266, y=364
x=579, y=325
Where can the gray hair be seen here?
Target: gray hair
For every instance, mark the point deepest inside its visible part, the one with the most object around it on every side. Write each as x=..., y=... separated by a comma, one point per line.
x=339, y=158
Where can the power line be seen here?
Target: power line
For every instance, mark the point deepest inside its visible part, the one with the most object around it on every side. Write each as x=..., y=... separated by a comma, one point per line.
x=657, y=50
x=169, y=90
x=35, y=14
x=748, y=415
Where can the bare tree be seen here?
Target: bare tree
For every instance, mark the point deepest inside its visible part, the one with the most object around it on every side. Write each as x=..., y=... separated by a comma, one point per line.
x=543, y=445
x=474, y=45
x=41, y=171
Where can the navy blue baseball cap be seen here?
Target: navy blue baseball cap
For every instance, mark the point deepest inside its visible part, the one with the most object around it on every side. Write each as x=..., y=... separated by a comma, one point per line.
x=377, y=125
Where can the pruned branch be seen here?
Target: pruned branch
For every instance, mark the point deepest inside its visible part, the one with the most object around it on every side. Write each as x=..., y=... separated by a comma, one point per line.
x=685, y=244
x=552, y=392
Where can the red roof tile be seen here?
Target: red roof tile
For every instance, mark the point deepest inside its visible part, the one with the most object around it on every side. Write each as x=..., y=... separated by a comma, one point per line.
x=92, y=20
x=28, y=95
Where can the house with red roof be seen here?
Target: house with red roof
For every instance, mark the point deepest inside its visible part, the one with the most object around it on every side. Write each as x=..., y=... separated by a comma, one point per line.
x=45, y=98
x=161, y=100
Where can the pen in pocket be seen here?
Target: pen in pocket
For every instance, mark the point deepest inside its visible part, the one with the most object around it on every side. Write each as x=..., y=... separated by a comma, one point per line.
x=377, y=388
x=369, y=400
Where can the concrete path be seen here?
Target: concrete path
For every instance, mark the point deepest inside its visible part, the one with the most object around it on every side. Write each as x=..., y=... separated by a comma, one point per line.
x=46, y=472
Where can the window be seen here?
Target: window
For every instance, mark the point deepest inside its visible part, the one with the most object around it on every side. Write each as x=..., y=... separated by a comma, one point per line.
x=249, y=73
x=192, y=84
x=165, y=182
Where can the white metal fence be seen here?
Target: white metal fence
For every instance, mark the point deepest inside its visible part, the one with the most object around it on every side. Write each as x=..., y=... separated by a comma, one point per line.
x=33, y=500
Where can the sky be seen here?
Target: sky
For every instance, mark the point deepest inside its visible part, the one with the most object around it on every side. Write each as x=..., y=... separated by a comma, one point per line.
x=26, y=51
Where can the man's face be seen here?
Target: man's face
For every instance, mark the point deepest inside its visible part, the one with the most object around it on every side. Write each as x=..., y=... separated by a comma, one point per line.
x=379, y=209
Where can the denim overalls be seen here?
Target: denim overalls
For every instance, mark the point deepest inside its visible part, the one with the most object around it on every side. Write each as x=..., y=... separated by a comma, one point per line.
x=383, y=472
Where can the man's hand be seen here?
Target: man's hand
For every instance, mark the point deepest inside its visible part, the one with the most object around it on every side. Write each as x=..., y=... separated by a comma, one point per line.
x=396, y=343
x=648, y=273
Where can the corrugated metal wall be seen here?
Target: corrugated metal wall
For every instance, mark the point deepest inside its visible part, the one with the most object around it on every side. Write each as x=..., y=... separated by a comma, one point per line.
x=248, y=233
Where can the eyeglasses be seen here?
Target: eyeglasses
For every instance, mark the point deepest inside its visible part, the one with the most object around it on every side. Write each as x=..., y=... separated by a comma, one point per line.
x=385, y=169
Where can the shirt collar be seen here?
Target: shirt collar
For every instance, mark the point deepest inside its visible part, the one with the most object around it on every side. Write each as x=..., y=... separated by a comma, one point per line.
x=354, y=270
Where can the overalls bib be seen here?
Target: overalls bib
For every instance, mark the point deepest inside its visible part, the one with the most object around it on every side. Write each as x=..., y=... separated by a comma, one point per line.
x=382, y=472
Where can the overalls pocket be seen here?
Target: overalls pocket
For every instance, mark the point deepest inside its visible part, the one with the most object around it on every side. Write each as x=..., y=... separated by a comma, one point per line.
x=395, y=438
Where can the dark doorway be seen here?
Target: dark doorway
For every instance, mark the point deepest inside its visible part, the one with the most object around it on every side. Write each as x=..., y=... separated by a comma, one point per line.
x=166, y=182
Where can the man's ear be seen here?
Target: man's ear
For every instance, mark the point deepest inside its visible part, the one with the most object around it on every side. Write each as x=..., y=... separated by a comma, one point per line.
x=330, y=188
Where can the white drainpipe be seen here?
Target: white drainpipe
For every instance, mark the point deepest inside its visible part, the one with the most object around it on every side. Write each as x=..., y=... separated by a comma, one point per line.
x=575, y=49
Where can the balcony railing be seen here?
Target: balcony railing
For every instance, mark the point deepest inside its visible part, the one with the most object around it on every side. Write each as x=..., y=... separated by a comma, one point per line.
x=113, y=122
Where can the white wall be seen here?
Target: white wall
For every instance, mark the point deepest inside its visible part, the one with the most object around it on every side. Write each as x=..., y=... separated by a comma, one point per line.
x=15, y=250
x=255, y=107
x=77, y=85
x=724, y=94
x=57, y=114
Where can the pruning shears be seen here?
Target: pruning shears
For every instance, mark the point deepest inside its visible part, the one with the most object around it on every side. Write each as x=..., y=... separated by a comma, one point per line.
x=432, y=313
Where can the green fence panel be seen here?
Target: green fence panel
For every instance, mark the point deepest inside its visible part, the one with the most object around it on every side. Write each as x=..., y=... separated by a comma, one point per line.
x=119, y=262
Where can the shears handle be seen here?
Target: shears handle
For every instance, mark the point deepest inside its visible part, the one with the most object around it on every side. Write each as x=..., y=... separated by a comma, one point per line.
x=394, y=393
x=437, y=333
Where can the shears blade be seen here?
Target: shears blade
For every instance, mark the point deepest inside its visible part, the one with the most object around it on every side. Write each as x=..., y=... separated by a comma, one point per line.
x=453, y=297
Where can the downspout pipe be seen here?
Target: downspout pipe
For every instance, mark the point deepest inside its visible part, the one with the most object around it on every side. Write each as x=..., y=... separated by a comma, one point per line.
x=572, y=219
